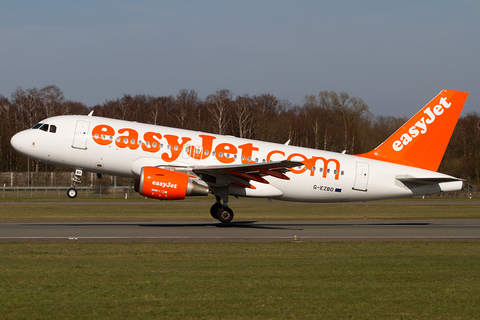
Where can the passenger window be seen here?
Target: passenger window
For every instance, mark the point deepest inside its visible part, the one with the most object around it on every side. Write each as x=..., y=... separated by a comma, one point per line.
x=44, y=127
x=53, y=128
x=37, y=126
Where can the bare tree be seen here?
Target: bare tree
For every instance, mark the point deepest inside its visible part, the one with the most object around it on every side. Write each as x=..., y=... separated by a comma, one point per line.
x=266, y=106
x=184, y=104
x=219, y=104
x=124, y=107
x=52, y=101
x=348, y=113
x=160, y=110
x=244, y=116
x=28, y=104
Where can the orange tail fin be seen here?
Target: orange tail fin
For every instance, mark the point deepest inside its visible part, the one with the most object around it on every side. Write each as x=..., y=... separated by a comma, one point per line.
x=422, y=141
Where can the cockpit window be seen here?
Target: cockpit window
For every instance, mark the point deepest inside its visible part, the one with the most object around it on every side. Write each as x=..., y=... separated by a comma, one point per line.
x=45, y=127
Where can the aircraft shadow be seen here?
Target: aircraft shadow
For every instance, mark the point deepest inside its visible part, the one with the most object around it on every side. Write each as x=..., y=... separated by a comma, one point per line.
x=281, y=225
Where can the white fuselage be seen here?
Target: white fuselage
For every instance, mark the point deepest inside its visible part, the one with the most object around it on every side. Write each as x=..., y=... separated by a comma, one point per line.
x=122, y=148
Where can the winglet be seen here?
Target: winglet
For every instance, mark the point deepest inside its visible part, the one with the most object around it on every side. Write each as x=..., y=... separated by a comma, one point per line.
x=422, y=140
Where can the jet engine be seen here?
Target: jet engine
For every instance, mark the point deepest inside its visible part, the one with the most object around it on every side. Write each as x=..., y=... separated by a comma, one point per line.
x=165, y=184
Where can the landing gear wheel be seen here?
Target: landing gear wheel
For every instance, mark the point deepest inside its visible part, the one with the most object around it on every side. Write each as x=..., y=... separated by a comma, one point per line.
x=72, y=193
x=214, y=209
x=224, y=214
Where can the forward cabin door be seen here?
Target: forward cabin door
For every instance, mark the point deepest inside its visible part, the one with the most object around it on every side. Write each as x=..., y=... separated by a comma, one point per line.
x=361, y=177
x=80, y=137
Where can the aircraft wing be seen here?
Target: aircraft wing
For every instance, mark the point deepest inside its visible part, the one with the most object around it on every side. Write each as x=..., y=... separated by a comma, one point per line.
x=244, y=173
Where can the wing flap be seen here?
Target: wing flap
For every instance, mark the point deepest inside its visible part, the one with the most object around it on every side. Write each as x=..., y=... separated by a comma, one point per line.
x=241, y=173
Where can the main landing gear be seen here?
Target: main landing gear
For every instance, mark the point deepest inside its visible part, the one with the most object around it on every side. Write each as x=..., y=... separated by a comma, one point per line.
x=220, y=211
x=72, y=191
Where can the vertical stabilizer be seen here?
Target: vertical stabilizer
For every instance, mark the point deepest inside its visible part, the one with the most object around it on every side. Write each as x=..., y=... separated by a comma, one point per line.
x=422, y=140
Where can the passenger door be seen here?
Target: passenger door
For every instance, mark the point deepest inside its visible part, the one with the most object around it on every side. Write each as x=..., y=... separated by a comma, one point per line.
x=80, y=137
x=361, y=177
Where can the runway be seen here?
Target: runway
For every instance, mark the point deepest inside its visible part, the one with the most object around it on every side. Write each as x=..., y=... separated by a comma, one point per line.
x=253, y=231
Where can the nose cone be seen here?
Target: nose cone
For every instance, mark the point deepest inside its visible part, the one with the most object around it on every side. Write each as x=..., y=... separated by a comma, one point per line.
x=21, y=142
x=16, y=142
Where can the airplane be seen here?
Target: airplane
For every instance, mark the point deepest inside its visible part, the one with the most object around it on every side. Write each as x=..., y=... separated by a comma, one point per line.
x=170, y=164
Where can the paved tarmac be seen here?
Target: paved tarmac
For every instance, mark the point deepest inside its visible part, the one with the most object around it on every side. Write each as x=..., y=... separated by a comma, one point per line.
x=253, y=231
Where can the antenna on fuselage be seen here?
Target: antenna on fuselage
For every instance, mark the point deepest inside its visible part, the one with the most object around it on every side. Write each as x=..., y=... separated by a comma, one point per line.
x=91, y=113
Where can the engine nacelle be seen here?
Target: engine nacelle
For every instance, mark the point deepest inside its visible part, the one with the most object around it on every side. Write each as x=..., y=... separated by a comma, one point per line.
x=165, y=184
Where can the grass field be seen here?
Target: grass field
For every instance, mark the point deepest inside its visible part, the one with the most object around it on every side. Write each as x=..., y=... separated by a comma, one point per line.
x=245, y=209
x=401, y=280
x=299, y=280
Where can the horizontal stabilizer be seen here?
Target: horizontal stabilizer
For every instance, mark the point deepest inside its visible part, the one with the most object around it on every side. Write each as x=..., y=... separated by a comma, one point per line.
x=426, y=181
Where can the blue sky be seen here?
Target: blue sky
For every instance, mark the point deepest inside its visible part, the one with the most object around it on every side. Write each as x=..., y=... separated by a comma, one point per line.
x=395, y=55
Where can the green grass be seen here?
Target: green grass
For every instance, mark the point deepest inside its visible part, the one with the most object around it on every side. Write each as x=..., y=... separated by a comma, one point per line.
x=400, y=280
x=299, y=280
x=245, y=209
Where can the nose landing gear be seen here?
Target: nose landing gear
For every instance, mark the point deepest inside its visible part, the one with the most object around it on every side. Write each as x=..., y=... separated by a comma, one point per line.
x=72, y=191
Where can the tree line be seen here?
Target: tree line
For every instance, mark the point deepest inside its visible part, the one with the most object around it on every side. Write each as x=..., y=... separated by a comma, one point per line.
x=328, y=120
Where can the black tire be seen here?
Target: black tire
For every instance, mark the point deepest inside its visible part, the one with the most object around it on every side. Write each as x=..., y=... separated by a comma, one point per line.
x=224, y=214
x=72, y=193
x=214, y=210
